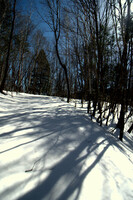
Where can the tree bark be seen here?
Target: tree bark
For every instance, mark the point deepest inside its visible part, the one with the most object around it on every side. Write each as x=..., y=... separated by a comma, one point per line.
x=65, y=71
x=130, y=129
x=124, y=73
x=9, y=49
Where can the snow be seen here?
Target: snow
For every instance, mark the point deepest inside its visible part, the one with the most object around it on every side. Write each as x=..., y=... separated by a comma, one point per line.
x=50, y=150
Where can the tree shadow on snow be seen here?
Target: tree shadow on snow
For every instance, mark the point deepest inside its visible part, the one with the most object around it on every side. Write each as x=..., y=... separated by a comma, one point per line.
x=66, y=176
x=67, y=171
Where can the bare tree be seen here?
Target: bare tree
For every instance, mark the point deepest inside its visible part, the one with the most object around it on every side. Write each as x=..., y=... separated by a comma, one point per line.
x=54, y=22
x=9, y=48
x=122, y=19
x=3, y=9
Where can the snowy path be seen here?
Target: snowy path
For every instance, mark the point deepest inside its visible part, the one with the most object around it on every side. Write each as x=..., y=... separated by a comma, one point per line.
x=51, y=151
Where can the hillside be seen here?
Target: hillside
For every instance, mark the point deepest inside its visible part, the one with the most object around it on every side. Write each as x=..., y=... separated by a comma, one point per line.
x=50, y=150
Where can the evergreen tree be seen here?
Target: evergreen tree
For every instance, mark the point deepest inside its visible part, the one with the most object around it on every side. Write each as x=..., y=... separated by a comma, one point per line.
x=40, y=81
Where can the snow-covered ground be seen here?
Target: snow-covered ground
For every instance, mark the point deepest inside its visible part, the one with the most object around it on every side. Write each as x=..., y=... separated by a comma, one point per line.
x=50, y=150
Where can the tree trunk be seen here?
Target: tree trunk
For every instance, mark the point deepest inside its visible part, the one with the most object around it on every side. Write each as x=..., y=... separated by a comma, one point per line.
x=124, y=71
x=9, y=49
x=121, y=122
x=130, y=129
x=65, y=71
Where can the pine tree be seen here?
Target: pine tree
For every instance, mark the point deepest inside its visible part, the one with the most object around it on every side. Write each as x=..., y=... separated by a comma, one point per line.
x=40, y=81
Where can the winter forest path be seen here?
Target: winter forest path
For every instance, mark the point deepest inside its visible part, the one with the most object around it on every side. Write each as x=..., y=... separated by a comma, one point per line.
x=52, y=151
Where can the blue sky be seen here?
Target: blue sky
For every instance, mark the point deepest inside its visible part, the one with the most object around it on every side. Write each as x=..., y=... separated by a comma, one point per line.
x=29, y=7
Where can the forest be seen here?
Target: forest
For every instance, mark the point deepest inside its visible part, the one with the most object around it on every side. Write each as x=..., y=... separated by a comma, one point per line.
x=89, y=55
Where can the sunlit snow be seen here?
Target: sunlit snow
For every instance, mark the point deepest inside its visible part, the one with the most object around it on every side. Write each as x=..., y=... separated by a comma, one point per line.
x=50, y=150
